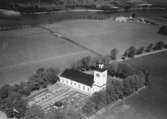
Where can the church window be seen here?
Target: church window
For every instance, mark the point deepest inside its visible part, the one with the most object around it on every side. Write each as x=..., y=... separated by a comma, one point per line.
x=83, y=87
x=97, y=75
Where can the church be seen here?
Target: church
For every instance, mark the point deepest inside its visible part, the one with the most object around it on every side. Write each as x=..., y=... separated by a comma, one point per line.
x=85, y=82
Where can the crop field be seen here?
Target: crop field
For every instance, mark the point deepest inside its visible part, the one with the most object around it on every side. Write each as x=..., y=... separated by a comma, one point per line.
x=23, y=51
x=103, y=35
x=151, y=102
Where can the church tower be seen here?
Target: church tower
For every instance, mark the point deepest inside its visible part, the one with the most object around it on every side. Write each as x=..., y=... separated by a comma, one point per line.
x=100, y=75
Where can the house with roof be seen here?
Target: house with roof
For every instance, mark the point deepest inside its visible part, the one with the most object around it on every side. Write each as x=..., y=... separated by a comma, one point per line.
x=87, y=83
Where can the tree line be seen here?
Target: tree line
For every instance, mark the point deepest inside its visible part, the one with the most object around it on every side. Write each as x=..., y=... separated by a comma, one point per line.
x=36, y=5
x=117, y=88
x=90, y=63
x=132, y=51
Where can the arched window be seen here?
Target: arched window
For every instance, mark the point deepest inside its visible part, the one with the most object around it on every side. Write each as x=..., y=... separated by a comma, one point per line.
x=98, y=75
x=83, y=87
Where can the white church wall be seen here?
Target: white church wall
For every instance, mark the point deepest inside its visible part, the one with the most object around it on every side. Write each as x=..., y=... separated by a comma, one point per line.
x=76, y=85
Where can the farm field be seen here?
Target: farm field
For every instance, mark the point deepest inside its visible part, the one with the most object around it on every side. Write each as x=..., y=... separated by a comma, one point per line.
x=150, y=103
x=23, y=51
x=103, y=35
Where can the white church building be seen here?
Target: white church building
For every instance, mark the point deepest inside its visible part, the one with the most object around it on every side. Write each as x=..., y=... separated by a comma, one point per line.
x=85, y=82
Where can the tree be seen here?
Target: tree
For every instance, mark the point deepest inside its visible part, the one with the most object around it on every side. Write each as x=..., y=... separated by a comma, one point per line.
x=114, y=89
x=140, y=50
x=120, y=70
x=105, y=60
x=114, y=53
x=42, y=78
x=127, y=88
x=133, y=15
x=85, y=62
x=51, y=75
x=34, y=112
x=159, y=45
x=99, y=100
x=4, y=91
x=149, y=47
x=12, y=104
x=163, y=30
x=147, y=77
x=88, y=108
x=130, y=52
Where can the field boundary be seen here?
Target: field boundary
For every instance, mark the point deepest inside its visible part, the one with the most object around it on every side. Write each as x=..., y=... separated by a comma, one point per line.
x=139, y=56
x=56, y=34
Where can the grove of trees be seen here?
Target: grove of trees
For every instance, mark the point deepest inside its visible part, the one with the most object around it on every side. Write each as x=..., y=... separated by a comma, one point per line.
x=12, y=100
x=117, y=88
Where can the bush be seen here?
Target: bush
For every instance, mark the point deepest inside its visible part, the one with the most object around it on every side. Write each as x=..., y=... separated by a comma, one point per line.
x=149, y=48
x=11, y=102
x=163, y=30
x=42, y=78
x=159, y=45
x=140, y=51
x=120, y=70
x=94, y=103
x=130, y=52
x=114, y=53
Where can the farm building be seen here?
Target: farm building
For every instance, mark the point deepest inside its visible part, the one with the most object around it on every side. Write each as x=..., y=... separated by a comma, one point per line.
x=121, y=19
x=86, y=83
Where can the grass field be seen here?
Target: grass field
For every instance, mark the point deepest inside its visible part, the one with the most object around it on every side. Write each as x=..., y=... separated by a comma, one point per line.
x=23, y=51
x=150, y=103
x=104, y=35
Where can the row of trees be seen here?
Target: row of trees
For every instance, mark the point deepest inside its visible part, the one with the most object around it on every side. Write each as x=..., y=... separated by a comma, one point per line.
x=58, y=3
x=12, y=97
x=90, y=63
x=116, y=89
x=132, y=51
x=163, y=30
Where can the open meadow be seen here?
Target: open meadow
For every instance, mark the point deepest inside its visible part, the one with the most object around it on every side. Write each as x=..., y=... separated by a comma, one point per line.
x=22, y=51
x=103, y=35
x=151, y=102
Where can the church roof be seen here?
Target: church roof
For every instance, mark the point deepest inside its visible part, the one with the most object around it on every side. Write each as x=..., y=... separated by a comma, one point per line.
x=78, y=76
